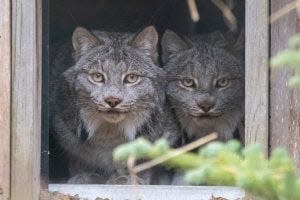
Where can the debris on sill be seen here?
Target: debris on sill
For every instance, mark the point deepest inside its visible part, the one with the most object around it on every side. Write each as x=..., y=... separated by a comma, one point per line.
x=217, y=198
x=46, y=195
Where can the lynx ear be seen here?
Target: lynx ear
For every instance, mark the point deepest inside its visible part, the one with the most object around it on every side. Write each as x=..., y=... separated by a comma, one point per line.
x=147, y=40
x=237, y=44
x=171, y=43
x=218, y=39
x=83, y=40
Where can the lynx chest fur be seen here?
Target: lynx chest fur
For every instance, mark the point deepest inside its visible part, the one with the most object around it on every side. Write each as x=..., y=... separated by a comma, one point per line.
x=110, y=93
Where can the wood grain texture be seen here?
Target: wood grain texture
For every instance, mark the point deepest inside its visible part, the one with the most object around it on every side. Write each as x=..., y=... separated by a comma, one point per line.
x=257, y=73
x=26, y=100
x=5, y=92
x=285, y=101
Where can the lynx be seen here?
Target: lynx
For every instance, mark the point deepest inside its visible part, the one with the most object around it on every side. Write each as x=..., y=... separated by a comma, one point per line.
x=206, y=84
x=109, y=93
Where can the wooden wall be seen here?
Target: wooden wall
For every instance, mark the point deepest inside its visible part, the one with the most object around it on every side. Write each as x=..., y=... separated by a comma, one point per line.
x=284, y=101
x=5, y=91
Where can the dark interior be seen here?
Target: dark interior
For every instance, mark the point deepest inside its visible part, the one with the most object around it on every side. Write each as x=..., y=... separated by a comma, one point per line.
x=62, y=16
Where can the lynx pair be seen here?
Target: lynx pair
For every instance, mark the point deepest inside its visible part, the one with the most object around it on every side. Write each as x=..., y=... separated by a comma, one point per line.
x=108, y=90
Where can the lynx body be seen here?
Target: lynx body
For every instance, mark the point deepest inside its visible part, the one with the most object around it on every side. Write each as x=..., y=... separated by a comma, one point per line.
x=109, y=94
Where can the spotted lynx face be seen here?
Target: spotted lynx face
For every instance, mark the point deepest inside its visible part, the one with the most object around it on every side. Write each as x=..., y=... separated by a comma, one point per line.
x=115, y=76
x=206, y=84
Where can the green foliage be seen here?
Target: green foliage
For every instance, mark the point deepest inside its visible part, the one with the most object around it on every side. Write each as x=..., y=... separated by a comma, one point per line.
x=139, y=148
x=226, y=164
x=291, y=58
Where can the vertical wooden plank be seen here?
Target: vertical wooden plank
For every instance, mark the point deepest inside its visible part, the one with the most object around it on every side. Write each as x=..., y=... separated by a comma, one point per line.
x=285, y=101
x=257, y=73
x=26, y=100
x=5, y=92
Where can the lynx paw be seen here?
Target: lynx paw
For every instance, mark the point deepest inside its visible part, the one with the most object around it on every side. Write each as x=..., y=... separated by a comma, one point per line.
x=126, y=180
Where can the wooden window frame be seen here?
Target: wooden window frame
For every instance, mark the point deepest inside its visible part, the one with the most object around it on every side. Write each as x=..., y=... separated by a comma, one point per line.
x=26, y=99
x=20, y=79
x=257, y=73
x=5, y=98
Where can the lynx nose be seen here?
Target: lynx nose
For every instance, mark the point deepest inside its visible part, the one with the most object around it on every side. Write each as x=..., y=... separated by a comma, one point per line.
x=206, y=105
x=113, y=101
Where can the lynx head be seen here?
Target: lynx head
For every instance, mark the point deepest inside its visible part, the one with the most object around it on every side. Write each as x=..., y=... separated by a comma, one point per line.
x=115, y=77
x=206, y=81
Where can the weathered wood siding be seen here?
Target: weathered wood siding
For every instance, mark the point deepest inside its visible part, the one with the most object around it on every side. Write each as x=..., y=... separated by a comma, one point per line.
x=284, y=101
x=26, y=99
x=5, y=91
x=257, y=73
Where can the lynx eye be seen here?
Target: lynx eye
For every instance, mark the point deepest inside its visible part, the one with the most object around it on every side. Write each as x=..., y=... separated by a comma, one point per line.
x=97, y=77
x=223, y=82
x=131, y=78
x=188, y=82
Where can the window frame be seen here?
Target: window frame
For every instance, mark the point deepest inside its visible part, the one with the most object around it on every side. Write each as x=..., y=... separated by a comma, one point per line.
x=25, y=88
